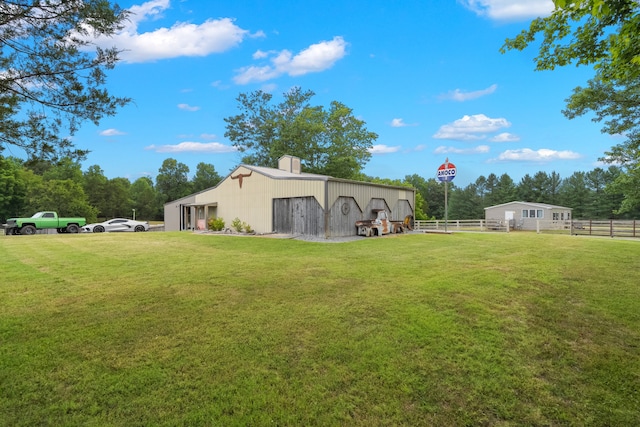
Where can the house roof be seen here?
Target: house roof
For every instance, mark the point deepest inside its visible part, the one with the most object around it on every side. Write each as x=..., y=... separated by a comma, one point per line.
x=535, y=205
x=274, y=173
x=282, y=174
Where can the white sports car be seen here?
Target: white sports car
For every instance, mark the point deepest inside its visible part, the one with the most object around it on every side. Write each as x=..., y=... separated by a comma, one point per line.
x=116, y=224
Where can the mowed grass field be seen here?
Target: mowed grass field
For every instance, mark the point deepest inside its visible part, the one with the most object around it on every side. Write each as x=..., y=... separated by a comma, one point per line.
x=181, y=329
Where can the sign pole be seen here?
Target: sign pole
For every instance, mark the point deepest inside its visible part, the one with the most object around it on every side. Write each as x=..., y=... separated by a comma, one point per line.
x=446, y=206
x=446, y=172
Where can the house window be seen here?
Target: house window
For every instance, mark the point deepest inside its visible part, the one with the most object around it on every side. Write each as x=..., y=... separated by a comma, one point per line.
x=532, y=213
x=568, y=216
x=562, y=216
x=525, y=213
x=556, y=216
x=539, y=213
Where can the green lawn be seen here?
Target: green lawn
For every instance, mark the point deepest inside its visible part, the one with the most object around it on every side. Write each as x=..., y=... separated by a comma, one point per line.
x=182, y=329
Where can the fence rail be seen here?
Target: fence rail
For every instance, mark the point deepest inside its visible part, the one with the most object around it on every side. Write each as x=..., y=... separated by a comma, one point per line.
x=610, y=228
x=460, y=225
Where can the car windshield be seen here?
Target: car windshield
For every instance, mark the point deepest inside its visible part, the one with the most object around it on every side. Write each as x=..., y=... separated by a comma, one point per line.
x=36, y=215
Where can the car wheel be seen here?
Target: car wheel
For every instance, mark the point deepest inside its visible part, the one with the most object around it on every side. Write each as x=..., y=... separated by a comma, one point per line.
x=28, y=230
x=98, y=229
x=139, y=228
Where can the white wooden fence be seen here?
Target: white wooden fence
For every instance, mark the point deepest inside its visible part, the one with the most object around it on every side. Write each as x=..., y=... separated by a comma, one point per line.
x=611, y=228
x=461, y=225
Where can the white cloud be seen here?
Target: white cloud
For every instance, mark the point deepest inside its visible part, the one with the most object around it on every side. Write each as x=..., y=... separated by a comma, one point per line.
x=471, y=128
x=181, y=39
x=460, y=96
x=187, y=107
x=192, y=147
x=384, y=149
x=317, y=57
x=399, y=123
x=480, y=149
x=541, y=155
x=505, y=137
x=509, y=10
x=208, y=136
x=111, y=132
x=260, y=55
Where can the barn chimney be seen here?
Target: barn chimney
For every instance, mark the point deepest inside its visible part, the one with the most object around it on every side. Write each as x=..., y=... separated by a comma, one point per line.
x=289, y=164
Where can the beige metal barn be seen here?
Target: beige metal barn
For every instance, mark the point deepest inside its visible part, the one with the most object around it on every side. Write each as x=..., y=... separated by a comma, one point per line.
x=287, y=200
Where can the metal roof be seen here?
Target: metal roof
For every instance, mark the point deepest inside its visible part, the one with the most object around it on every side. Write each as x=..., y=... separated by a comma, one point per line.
x=537, y=205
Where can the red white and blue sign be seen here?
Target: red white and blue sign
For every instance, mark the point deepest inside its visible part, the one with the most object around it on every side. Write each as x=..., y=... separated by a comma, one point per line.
x=446, y=171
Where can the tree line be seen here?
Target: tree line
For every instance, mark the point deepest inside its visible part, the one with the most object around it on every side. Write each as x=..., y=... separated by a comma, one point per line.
x=29, y=187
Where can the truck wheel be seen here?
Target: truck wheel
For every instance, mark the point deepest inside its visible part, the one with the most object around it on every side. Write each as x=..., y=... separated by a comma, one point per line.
x=28, y=230
x=72, y=228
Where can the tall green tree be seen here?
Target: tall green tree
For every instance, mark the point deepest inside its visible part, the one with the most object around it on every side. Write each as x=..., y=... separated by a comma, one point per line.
x=172, y=181
x=574, y=193
x=505, y=191
x=526, y=189
x=144, y=199
x=118, y=202
x=602, y=34
x=466, y=203
x=64, y=168
x=95, y=187
x=331, y=142
x=490, y=190
x=13, y=189
x=420, y=184
x=435, y=198
x=50, y=81
x=205, y=177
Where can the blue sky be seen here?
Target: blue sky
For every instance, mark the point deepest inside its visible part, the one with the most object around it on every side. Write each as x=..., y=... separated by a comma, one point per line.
x=426, y=76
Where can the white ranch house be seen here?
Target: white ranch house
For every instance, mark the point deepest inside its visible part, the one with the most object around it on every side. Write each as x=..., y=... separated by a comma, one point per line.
x=525, y=215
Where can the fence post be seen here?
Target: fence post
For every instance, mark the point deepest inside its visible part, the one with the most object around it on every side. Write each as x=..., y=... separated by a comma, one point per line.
x=538, y=226
x=610, y=228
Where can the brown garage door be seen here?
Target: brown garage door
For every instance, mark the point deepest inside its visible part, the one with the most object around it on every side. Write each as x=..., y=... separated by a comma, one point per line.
x=298, y=215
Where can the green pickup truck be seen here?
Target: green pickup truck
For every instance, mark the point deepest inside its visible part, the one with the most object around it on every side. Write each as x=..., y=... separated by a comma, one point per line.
x=42, y=221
